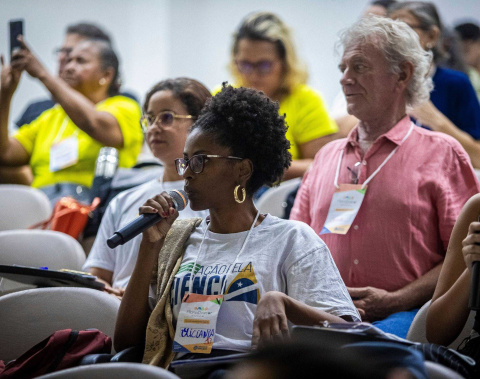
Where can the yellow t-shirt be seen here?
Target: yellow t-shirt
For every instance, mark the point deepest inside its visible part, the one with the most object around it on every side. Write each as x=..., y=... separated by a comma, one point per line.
x=38, y=136
x=306, y=116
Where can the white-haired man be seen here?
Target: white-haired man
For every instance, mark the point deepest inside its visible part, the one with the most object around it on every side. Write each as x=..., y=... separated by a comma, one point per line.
x=385, y=199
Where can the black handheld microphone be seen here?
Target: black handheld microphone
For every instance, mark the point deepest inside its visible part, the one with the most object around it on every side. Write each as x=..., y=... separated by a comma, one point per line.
x=474, y=301
x=146, y=220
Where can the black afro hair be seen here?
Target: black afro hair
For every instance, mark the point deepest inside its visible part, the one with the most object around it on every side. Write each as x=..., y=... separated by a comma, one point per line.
x=247, y=122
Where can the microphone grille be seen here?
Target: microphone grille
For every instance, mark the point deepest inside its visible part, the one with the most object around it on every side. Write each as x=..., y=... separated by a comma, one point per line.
x=179, y=198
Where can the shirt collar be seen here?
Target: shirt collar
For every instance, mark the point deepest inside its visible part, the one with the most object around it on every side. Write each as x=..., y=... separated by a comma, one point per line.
x=396, y=134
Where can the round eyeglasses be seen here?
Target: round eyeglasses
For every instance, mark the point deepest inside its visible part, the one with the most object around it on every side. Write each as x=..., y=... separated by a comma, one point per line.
x=263, y=67
x=196, y=162
x=165, y=119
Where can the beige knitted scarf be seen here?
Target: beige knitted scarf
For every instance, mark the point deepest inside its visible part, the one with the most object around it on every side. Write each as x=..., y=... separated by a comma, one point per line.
x=160, y=331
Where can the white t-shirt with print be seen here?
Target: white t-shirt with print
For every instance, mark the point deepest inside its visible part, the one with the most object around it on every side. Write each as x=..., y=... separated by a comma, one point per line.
x=280, y=255
x=122, y=210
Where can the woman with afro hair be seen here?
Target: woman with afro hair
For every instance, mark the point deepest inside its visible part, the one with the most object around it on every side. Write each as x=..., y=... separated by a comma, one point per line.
x=243, y=261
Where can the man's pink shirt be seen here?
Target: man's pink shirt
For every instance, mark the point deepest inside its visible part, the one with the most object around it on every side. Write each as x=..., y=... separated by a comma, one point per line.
x=404, y=224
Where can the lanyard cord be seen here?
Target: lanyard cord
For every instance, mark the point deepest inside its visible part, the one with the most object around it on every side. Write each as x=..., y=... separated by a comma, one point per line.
x=379, y=167
x=192, y=274
x=59, y=135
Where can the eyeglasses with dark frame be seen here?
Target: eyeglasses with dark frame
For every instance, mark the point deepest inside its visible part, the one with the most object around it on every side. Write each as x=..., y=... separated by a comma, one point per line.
x=63, y=50
x=197, y=162
x=165, y=119
x=263, y=67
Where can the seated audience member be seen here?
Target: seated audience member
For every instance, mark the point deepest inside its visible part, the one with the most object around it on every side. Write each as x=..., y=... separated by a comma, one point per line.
x=236, y=255
x=62, y=144
x=470, y=36
x=398, y=186
x=453, y=107
x=170, y=108
x=75, y=33
x=449, y=310
x=263, y=58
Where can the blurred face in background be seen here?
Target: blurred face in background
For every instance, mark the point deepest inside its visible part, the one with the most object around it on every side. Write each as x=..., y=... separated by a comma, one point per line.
x=166, y=136
x=259, y=65
x=428, y=37
x=471, y=50
x=83, y=70
x=67, y=46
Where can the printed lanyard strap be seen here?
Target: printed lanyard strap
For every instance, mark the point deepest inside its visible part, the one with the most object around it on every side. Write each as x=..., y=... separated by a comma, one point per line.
x=337, y=172
x=192, y=273
x=59, y=135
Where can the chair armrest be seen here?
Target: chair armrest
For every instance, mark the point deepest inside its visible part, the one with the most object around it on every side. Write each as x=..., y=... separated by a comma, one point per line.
x=92, y=359
x=132, y=354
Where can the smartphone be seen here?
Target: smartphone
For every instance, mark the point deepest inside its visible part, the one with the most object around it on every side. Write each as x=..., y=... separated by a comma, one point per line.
x=16, y=28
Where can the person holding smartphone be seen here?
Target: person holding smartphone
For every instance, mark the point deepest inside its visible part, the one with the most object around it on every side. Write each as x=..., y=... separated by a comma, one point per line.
x=62, y=144
x=75, y=33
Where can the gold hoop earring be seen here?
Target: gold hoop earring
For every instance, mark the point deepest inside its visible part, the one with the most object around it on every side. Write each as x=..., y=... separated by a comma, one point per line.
x=235, y=195
x=102, y=81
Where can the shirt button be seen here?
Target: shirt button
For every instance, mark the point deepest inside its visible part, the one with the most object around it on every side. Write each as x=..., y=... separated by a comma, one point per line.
x=355, y=261
x=364, y=162
x=355, y=227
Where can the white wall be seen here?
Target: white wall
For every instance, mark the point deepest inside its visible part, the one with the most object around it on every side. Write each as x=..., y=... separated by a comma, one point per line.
x=156, y=39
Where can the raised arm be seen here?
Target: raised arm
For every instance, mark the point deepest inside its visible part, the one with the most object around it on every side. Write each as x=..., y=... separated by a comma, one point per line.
x=12, y=152
x=449, y=311
x=101, y=126
x=134, y=311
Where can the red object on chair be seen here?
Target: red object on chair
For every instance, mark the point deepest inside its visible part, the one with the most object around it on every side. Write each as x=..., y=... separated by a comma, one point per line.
x=61, y=350
x=69, y=216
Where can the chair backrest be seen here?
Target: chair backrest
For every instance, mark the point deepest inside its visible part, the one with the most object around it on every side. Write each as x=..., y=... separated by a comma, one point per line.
x=113, y=371
x=418, y=332
x=273, y=200
x=27, y=317
x=22, y=206
x=437, y=371
x=37, y=248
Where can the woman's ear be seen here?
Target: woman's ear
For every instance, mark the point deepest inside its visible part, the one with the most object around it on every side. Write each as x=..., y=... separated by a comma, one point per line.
x=245, y=170
x=108, y=75
x=433, y=35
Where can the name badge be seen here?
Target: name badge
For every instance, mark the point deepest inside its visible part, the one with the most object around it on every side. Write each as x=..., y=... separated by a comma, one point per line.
x=196, y=323
x=64, y=154
x=346, y=203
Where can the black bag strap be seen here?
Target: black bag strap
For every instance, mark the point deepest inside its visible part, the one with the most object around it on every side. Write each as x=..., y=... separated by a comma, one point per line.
x=71, y=340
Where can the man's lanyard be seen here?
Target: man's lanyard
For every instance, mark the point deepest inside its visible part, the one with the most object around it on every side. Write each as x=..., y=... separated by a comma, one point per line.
x=335, y=182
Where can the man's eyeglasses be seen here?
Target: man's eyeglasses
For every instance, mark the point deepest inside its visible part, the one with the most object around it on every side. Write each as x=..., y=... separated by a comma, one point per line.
x=262, y=67
x=355, y=172
x=165, y=119
x=63, y=50
x=197, y=162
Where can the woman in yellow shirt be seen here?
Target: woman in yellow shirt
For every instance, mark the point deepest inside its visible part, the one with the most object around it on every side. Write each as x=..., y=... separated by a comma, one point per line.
x=263, y=57
x=62, y=144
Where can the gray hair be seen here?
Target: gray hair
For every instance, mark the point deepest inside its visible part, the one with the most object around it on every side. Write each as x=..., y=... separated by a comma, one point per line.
x=398, y=44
